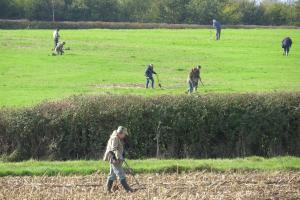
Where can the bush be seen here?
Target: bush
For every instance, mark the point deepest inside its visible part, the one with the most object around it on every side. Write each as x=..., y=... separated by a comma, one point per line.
x=206, y=126
x=25, y=24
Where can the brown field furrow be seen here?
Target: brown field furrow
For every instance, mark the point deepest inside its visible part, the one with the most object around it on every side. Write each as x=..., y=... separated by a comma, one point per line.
x=192, y=186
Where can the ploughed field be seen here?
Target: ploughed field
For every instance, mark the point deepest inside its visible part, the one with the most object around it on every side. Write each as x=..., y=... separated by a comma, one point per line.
x=114, y=61
x=196, y=185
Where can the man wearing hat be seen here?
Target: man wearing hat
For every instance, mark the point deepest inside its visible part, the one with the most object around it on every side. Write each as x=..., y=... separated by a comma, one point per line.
x=115, y=155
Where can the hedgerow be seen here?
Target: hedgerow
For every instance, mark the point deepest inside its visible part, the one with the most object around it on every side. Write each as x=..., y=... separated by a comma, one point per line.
x=26, y=24
x=205, y=126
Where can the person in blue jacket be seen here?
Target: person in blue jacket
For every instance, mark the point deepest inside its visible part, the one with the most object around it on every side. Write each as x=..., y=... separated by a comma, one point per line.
x=218, y=27
x=149, y=75
x=286, y=45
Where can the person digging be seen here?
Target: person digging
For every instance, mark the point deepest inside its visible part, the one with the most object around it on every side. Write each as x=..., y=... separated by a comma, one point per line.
x=114, y=154
x=59, y=49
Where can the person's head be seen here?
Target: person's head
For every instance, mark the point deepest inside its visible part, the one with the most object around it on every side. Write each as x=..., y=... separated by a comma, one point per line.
x=122, y=132
x=199, y=67
x=214, y=21
x=151, y=66
x=57, y=29
x=64, y=43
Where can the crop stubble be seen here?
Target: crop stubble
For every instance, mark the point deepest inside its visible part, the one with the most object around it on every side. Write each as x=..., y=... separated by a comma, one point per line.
x=196, y=185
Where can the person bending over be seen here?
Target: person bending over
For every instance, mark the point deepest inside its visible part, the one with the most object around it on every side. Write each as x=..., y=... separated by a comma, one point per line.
x=286, y=45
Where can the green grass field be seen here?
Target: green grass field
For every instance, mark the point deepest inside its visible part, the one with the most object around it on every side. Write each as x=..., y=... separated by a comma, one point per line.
x=150, y=166
x=114, y=61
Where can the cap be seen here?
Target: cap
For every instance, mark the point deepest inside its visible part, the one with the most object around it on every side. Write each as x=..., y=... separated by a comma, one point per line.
x=122, y=129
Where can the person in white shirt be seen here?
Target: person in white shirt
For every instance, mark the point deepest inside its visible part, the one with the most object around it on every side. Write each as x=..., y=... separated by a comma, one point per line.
x=56, y=37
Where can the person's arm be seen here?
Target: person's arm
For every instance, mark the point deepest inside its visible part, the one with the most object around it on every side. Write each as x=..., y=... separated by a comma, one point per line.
x=154, y=72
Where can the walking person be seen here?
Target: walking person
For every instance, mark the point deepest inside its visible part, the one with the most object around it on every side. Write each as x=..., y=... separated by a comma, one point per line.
x=190, y=82
x=114, y=154
x=56, y=37
x=149, y=75
x=286, y=45
x=218, y=27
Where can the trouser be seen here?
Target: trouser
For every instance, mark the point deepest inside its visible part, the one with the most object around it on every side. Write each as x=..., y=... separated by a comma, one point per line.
x=218, y=34
x=55, y=43
x=116, y=170
x=148, y=81
x=190, y=87
x=286, y=51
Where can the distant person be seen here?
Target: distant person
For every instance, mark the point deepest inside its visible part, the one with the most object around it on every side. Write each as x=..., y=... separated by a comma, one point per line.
x=149, y=75
x=59, y=49
x=196, y=77
x=286, y=45
x=56, y=37
x=193, y=79
x=218, y=27
x=190, y=81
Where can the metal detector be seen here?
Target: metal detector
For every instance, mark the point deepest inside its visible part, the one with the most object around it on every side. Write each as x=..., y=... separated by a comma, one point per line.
x=131, y=172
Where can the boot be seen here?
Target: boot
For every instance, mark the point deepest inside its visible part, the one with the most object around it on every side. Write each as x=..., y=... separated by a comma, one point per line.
x=109, y=185
x=126, y=186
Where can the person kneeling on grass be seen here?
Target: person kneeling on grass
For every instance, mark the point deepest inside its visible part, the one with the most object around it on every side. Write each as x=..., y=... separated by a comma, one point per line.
x=149, y=75
x=59, y=49
x=115, y=155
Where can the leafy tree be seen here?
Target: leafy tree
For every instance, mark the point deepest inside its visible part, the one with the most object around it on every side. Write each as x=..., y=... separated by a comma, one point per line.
x=105, y=10
x=267, y=12
x=297, y=11
x=203, y=11
x=251, y=12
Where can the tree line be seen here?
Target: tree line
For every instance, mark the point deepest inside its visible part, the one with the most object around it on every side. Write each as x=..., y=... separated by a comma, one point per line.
x=248, y=12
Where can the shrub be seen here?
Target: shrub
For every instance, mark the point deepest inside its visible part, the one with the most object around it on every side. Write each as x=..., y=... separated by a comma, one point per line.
x=206, y=126
x=25, y=24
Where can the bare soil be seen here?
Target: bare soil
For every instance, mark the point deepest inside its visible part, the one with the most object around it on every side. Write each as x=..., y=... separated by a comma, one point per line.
x=198, y=185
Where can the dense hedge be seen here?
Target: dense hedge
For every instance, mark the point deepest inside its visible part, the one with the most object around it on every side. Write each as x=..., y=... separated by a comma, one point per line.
x=189, y=126
x=25, y=24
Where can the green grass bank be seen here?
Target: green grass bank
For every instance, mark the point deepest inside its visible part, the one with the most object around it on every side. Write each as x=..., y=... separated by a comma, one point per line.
x=51, y=168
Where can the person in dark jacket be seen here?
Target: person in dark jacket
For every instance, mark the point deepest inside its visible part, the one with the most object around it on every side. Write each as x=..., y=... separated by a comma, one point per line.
x=286, y=45
x=218, y=27
x=149, y=75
